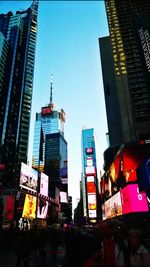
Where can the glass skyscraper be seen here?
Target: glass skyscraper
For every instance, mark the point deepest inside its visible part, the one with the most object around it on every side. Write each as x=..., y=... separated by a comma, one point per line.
x=17, y=54
x=89, y=175
x=126, y=78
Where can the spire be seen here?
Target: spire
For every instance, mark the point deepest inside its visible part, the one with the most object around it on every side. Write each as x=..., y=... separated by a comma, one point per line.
x=51, y=88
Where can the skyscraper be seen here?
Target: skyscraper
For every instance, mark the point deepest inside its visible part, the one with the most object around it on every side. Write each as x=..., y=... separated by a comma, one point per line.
x=17, y=55
x=89, y=175
x=129, y=49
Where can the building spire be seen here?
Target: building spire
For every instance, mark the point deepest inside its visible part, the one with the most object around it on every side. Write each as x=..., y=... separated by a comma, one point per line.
x=51, y=89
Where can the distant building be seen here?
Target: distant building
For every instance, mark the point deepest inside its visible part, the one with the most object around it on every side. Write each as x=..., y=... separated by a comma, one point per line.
x=89, y=175
x=17, y=54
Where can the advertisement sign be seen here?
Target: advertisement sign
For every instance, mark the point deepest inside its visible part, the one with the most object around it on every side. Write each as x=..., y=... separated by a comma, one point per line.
x=46, y=110
x=91, y=188
x=28, y=177
x=44, y=184
x=90, y=171
x=89, y=150
x=63, y=197
x=89, y=161
x=42, y=208
x=9, y=207
x=64, y=172
x=91, y=201
x=92, y=214
x=90, y=178
x=132, y=200
x=29, y=209
x=113, y=206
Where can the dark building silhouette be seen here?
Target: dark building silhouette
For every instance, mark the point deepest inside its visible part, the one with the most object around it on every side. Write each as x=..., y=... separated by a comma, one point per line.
x=17, y=54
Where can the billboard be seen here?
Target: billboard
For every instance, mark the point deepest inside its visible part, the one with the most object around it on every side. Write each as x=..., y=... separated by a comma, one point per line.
x=29, y=209
x=46, y=110
x=63, y=197
x=44, y=184
x=113, y=206
x=132, y=200
x=89, y=161
x=91, y=188
x=89, y=150
x=90, y=170
x=9, y=206
x=90, y=178
x=92, y=214
x=64, y=172
x=91, y=201
x=28, y=177
x=42, y=208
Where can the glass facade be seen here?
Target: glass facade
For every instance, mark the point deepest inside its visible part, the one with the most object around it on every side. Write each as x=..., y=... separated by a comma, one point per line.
x=17, y=50
x=88, y=161
x=129, y=34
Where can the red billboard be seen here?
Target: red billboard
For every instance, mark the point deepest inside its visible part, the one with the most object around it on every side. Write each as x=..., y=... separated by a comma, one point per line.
x=89, y=150
x=91, y=188
x=46, y=110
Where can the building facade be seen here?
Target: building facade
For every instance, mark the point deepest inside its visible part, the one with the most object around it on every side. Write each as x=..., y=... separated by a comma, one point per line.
x=89, y=175
x=129, y=46
x=17, y=54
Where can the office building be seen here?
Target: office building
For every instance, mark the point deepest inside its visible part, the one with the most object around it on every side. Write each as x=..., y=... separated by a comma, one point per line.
x=126, y=75
x=17, y=53
x=89, y=175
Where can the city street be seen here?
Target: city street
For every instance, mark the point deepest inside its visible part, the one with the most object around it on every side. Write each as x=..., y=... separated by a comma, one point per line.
x=8, y=258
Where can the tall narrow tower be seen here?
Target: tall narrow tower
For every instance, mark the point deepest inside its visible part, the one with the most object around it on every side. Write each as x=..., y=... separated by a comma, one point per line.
x=17, y=54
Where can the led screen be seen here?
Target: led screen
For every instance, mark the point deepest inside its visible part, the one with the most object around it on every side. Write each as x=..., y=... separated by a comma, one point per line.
x=28, y=177
x=132, y=200
x=143, y=175
x=91, y=188
x=90, y=170
x=91, y=201
x=9, y=207
x=42, y=208
x=44, y=184
x=90, y=178
x=89, y=162
x=29, y=209
x=92, y=214
x=63, y=197
x=89, y=150
x=113, y=206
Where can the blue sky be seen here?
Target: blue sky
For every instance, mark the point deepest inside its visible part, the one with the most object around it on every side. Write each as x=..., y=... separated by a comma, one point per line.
x=67, y=47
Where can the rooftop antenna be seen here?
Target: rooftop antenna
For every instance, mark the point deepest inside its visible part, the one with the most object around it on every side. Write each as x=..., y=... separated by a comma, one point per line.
x=51, y=89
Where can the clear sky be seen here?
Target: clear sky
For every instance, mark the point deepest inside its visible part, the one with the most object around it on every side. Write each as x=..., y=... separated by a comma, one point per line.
x=67, y=46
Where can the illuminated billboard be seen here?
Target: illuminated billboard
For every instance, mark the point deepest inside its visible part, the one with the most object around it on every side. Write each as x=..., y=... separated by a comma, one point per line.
x=91, y=201
x=46, y=110
x=44, y=184
x=132, y=200
x=89, y=161
x=113, y=206
x=29, y=209
x=92, y=214
x=91, y=187
x=42, y=208
x=64, y=172
x=89, y=150
x=143, y=175
x=63, y=197
x=90, y=178
x=90, y=171
x=28, y=177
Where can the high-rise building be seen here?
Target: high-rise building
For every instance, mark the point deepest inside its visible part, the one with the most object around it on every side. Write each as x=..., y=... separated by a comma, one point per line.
x=127, y=78
x=17, y=54
x=89, y=175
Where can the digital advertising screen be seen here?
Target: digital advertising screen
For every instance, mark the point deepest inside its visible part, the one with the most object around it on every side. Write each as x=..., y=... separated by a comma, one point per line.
x=89, y=150
x=143, y=175
x=132, y=200
x=92, y=214
x=90, y=170
x=29, y=209
x=42, y=208
x=90, y=178
x=64, y=172
x=63, y=197
x=44, y=184
x=113, y=206
x=89, y=162
x=91, y=201
x=91, y=187
x=28, y=177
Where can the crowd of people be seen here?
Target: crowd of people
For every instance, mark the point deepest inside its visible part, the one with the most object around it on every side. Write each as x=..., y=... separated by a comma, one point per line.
x=108, y=245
